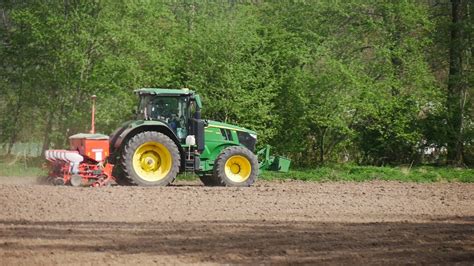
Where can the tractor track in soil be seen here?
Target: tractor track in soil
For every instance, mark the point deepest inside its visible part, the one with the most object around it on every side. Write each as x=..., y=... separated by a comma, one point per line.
x=272, y=222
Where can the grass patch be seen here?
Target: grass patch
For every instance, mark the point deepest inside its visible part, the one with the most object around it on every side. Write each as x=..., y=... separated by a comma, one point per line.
x=20, y=170
x=22, y=166
x=347, y=172
x=187, y=177
x=32, y=167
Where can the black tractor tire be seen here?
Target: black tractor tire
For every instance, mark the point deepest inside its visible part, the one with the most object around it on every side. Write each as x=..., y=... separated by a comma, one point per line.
x=120, y=176
x=246, y=167
x=157, y=146
x=209, y=180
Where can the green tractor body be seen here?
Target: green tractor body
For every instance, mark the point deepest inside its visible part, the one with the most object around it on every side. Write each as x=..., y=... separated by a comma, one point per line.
x=169, y=137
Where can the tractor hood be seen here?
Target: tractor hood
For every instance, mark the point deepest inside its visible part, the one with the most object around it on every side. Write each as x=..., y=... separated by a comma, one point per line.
x=216, y=124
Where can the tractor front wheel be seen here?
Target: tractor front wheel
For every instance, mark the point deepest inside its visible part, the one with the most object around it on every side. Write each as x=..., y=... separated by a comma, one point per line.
x=150, y=159
x=236, y=166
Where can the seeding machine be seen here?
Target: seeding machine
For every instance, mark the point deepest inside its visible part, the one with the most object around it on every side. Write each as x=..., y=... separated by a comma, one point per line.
x=167, y=137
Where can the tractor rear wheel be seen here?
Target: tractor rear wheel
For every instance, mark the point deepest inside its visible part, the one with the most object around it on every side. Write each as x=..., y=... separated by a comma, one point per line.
x=121, y=176
x=150, y=159
x=236, y=166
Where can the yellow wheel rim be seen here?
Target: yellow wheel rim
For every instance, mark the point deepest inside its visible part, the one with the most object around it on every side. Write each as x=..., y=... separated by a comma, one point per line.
x=152, y=161
x=238, y=168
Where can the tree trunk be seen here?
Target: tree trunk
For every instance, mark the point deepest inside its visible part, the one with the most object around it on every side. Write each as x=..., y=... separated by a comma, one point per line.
x=16, y=127
x=455, y=99
x=47, y=132
x=321, y=146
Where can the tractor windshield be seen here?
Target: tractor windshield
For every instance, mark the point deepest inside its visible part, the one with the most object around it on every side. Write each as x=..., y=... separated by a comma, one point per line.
x=170, y=109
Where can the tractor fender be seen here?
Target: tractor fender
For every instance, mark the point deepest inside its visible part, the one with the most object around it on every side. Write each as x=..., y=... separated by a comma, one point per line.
x=212, y=154
x=131, y=128
x=116, y=134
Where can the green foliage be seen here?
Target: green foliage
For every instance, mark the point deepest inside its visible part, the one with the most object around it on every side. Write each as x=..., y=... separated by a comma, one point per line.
x=390, y=134
x=322, y=81
x=347, y=172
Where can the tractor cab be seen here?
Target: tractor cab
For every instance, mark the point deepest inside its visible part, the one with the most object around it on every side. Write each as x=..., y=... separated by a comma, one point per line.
x=176, y=108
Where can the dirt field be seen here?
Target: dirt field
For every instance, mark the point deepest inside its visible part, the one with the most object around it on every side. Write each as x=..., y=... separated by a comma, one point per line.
x=272, y=222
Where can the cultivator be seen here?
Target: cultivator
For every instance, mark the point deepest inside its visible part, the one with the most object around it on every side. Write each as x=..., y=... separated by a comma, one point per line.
x=85, y=164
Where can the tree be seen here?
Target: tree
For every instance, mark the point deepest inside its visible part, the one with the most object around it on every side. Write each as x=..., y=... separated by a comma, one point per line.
x=372, y=82
x=458, y=81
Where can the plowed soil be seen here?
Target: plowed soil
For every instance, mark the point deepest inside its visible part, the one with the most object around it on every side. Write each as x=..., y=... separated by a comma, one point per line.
x=273, y=222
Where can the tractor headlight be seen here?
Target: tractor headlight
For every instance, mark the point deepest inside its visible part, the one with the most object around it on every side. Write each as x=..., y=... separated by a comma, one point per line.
x=253, y=136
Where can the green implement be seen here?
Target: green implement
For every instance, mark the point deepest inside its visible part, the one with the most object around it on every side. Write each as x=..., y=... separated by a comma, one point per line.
x=273, y=163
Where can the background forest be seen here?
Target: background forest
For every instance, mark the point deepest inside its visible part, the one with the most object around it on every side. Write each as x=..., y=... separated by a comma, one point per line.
x=369, y=82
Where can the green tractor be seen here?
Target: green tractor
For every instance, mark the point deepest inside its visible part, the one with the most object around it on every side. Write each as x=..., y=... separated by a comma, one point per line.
x=170, y=137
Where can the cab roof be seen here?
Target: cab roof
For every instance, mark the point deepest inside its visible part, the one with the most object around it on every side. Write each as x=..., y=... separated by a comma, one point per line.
x=164, y=92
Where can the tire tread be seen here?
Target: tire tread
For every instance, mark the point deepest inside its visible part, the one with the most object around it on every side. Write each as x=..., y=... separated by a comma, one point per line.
x=129, y=149
x=219, y=175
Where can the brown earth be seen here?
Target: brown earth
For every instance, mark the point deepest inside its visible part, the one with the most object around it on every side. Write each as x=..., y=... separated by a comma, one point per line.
x=272, y=222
